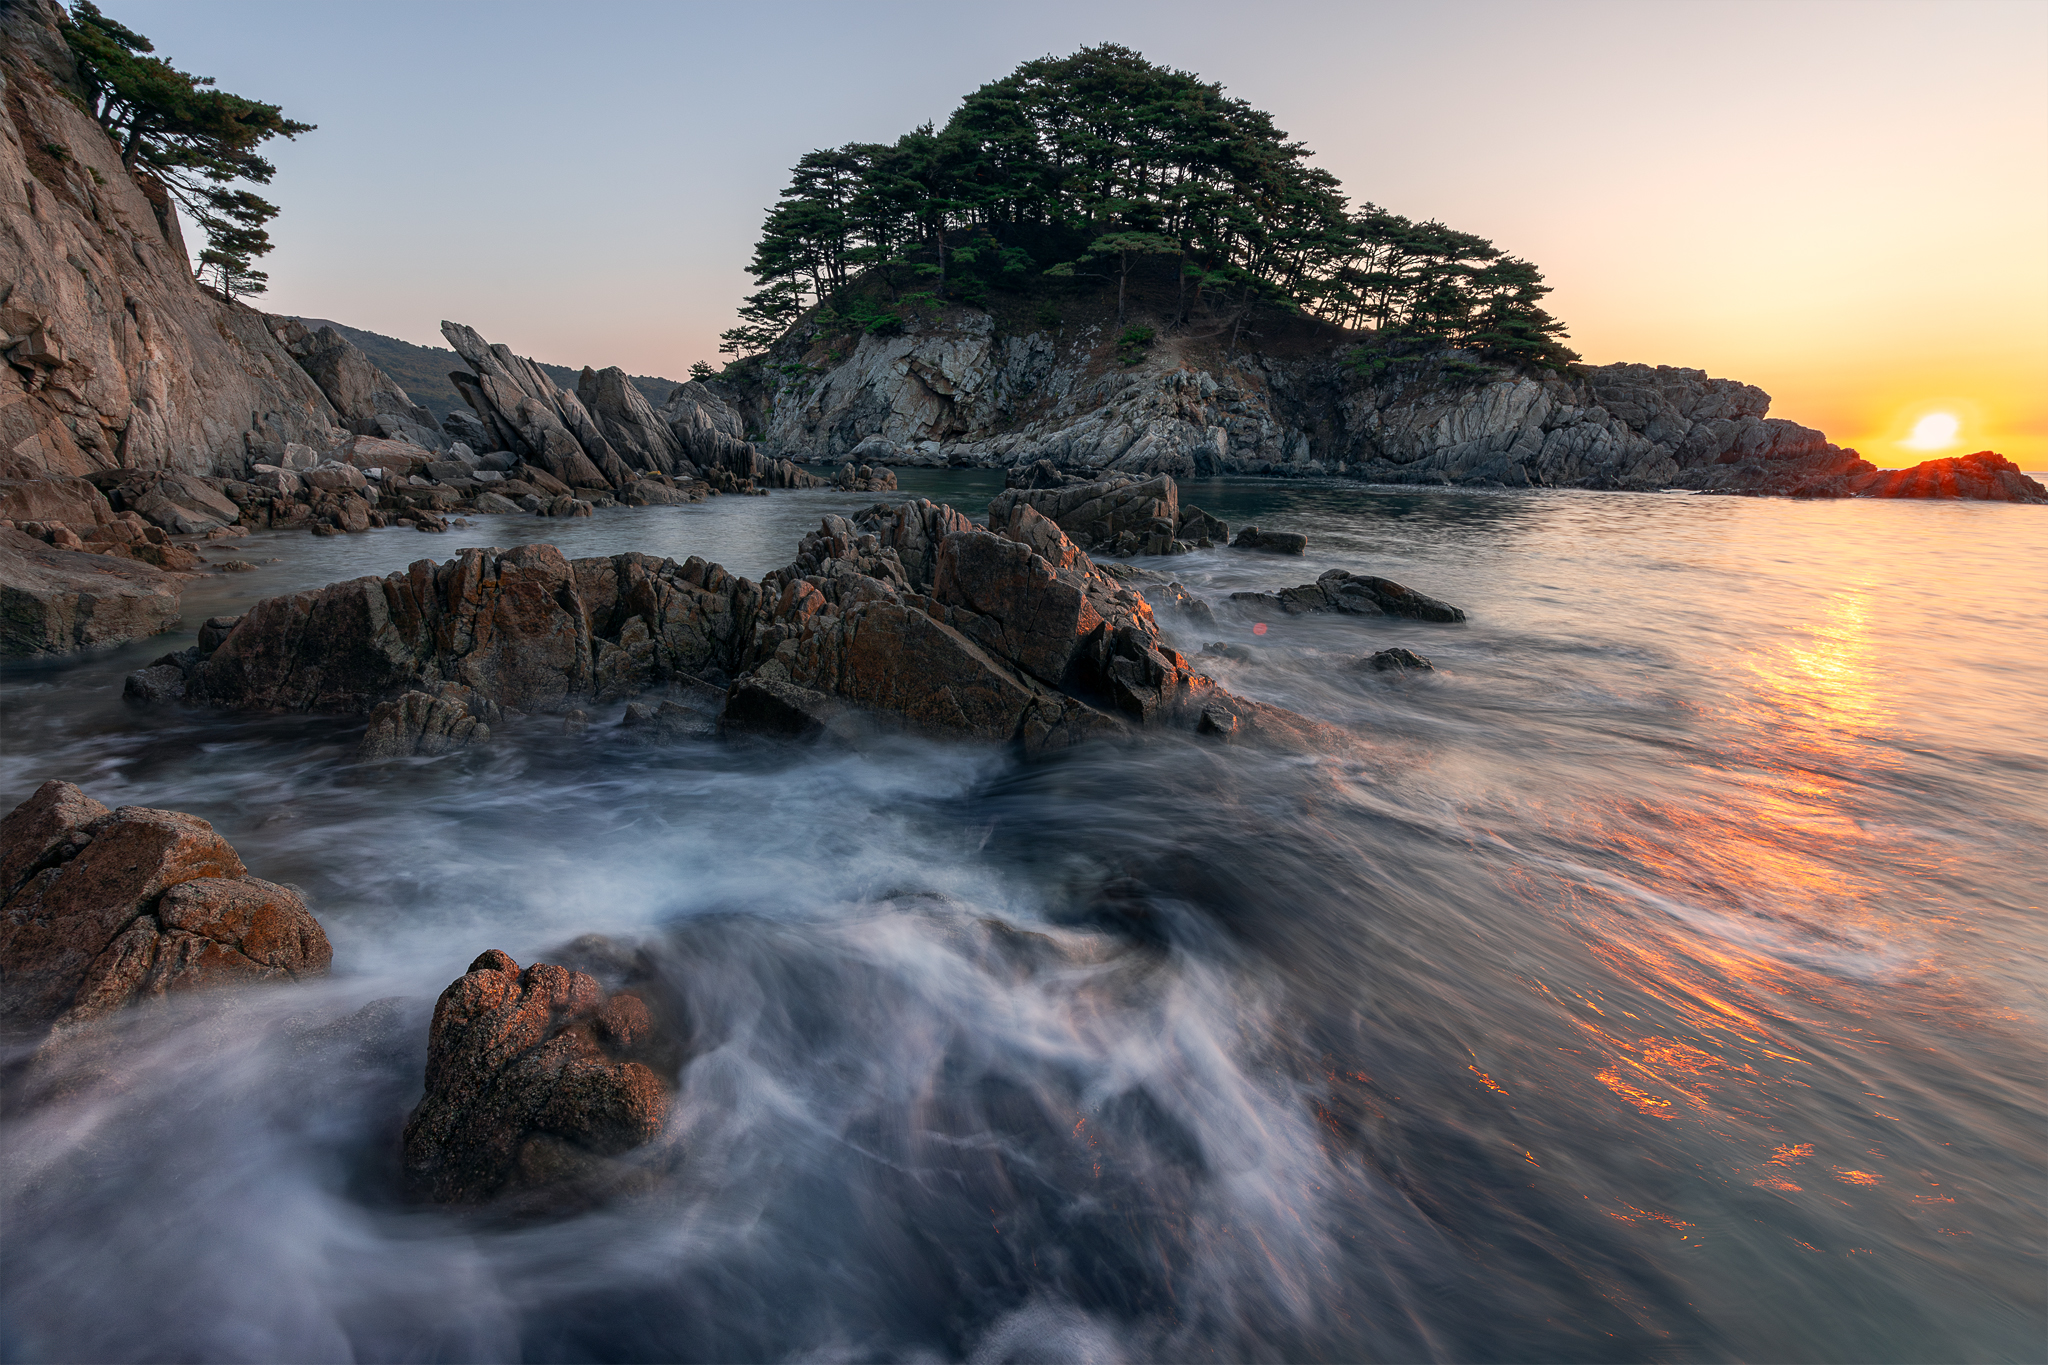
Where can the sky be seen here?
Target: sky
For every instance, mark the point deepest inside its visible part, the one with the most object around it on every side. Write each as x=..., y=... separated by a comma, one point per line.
x=1845, y=204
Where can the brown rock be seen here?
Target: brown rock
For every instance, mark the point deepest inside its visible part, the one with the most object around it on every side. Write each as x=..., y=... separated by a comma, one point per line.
x=53, y=601
x=534, y=1078
x=104, y=908
x=422, y=724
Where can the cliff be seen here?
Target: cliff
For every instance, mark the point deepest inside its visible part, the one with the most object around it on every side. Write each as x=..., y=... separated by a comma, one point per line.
x=1271, y=393
x=116, y=358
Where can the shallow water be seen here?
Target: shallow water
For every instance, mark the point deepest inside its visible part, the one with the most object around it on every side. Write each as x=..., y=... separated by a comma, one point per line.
x=1660, y=978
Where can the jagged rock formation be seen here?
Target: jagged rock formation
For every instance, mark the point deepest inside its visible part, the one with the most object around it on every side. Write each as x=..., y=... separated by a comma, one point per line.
x=534, y=1079
x=953, y=390
x=55, y=600
x=368, y=401
x=116, y=358
x=106, y=908
x=605, y=435
x=908, y=612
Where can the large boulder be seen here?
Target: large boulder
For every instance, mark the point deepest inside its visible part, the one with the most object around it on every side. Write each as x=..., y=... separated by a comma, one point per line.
x=53, y=601
x=535, y=1078
x=104, y=908
x=426, y=724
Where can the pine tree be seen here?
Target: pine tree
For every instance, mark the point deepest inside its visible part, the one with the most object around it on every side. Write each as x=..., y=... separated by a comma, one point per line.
x=195, y=140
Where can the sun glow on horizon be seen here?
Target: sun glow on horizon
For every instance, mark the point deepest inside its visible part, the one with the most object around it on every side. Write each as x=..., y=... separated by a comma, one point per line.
x=1935, y=431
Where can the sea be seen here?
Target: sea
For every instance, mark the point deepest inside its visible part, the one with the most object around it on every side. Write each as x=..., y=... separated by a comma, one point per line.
x=1660, y=977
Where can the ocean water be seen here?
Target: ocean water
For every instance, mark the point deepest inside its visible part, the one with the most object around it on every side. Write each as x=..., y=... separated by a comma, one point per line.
x=1660, y=978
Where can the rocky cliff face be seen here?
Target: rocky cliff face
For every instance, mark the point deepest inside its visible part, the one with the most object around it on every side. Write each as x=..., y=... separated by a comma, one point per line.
x=954, y=389
x=116, y=358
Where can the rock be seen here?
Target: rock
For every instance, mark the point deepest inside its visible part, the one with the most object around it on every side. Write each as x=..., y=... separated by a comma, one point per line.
x=496, y=503
x=182, y=504
x=468, y=429
x=53, y=601
x=157, y=685
x=863, y=479
x=1201, y=530
x=106, y=908
x=666, y=723
x=367, y=400
x=1273, y=542
x=336, y=478
x=908, y=611
x=1123, y=516
x=531, y=415
x=423, y=520
x=1229, y=651
x=1389, y=596
x=73, y=502
x=629, y=421
x=283, y=482
x=425, y=725
x=214, y=631
x=534, y=1080
x=1396, y=660
x=1983, y=475
x=118, y=359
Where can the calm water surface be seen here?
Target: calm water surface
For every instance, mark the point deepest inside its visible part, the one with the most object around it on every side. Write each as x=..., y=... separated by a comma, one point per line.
x=1661, y=978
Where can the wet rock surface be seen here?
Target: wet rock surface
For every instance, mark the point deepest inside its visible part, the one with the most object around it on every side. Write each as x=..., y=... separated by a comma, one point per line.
x=536, y=1080
x=1340, y=590
x=908, y=612
x=106, y=908
x=1396, y=661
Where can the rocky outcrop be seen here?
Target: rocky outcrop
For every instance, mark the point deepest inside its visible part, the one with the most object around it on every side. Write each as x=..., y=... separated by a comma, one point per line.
x=116, y=358
x=530, y=415
x=952, y=389
x=104, y=909
x=1120, y=515
x=53, y=600
x=1396, y=661
x=907, y=612
x=536, y=1079
x=368, y=401
x=1340, y=590
x=1983, y=476
x=1272, y=542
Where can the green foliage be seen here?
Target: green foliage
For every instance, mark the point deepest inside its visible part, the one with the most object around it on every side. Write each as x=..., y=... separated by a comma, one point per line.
x=1047, y=315
x=1132, y=345
x=701, y=371
x=1100, y=161
x=193, y=138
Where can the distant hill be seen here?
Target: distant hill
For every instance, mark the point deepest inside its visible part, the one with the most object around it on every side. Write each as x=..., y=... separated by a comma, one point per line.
x=422, y=371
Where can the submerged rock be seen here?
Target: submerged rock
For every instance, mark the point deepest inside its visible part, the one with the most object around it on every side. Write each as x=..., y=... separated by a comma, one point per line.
x=1273, y=542
x=426, y=724
x=105, y=908
x=1396, y=660
x=535, y=1079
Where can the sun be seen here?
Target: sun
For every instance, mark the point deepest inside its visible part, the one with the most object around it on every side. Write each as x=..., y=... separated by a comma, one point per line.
x=1935, y=431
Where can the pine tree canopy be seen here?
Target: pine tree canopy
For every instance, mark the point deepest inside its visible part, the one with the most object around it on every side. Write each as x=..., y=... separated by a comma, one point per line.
x=196, y=140
x=1087, y=165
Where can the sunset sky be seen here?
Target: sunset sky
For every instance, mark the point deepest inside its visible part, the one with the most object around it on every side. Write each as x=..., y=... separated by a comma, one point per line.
x=1846, y=204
